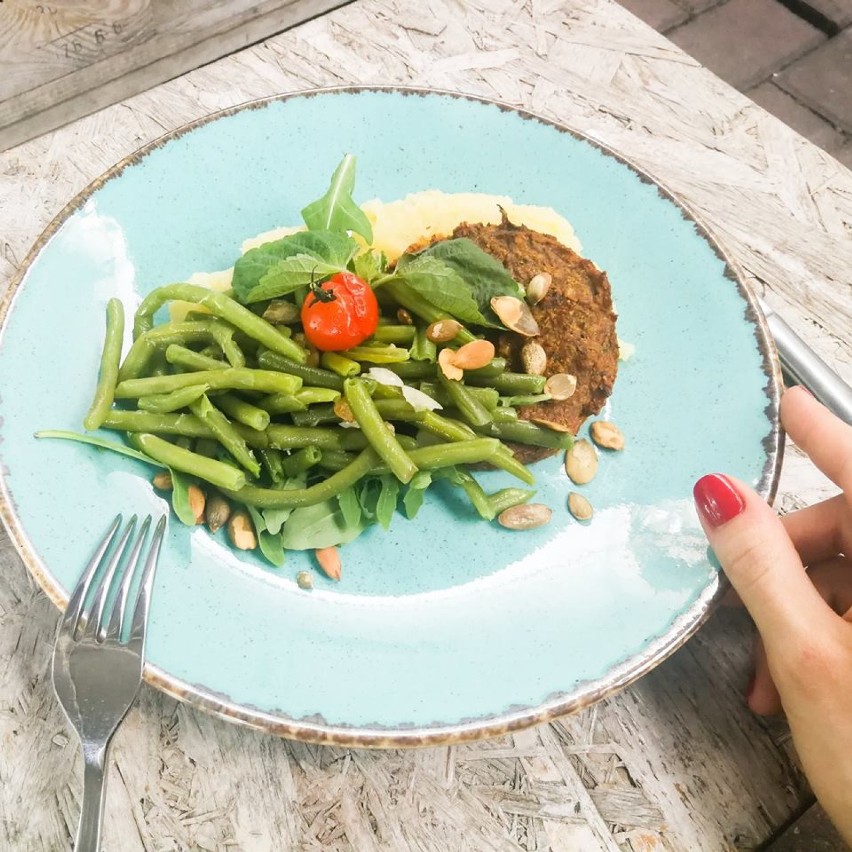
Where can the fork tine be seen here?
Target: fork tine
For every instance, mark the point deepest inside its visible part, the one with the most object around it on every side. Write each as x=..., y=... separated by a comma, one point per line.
x=116, y=620
x=81, y=590
x=143, y=599
x=94, y=614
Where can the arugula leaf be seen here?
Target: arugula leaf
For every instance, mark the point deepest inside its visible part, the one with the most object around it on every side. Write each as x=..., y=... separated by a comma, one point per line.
x=320, y=525
x=180, y=498
x=386, y=505
x=349, y=506
x=274, y=519
x=369, y=492
x=416, y=491
x=320, y=253
x=269, y=543
x=100, y=443
x=336, y=211
x=441, y=285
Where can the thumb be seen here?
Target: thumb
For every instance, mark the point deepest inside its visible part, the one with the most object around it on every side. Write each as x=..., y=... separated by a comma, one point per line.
x=759, y=558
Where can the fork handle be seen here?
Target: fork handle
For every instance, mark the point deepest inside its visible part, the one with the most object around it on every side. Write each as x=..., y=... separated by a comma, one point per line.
x=94, y=795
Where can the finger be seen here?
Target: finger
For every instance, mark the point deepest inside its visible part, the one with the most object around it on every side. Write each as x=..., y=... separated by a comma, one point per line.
x=759, y=559
x=762, y=695
x=826, y=439
x=817, y=532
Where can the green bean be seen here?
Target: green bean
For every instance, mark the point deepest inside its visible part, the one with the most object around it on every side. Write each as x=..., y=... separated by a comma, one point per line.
x=376, y=432
x=475, y=451
x=222, y=306
x=317, y=415
x=489, y=371
x=110, y=359
x=281, y=403
x=283, y=437
x=403, y=295
x=487, y=396
x=217, y=473
x=180, y=356
x=444, y=427
x=302, y=460
x=475, y=493
x=335, y=459
x=273, y=462
x=524, y=399
x=340, y=364
x=145, y=347
x=396, y=409
x=503, y=414
x=228, y=436
x=312, y=376
x=239, y=410
x=158, y=365
x=163, y=403
x=423, y=349
x=524, y=432
x=471, y=409
x=175, y=424
x=395, y=334
x=413, y=369
x=314, y=396
x=509, y=384
x=378, y=354
x=231, y=378
x=505, y=498
x=271, y=498
x=453, y=430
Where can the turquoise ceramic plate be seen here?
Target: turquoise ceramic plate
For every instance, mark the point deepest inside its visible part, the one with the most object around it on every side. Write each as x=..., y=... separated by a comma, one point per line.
x=444, y=628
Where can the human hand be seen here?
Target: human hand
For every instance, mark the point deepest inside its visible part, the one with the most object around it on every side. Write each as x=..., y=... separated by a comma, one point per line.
x=804, y=617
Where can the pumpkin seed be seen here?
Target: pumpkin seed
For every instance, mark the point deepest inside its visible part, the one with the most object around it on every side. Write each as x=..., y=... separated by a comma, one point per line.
x=538, y=287
x=561, y=386
x=581, y=462
x=447, y=363
x=241, y=531
x=607, y=435
x=525, y=516
x=515, y=315
x=474, y=355
x=442, y=331
x=580, y=507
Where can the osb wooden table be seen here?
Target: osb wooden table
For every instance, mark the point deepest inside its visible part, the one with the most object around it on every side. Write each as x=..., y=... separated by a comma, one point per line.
x=674, y=763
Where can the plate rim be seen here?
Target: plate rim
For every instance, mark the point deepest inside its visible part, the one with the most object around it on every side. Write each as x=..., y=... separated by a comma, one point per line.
x=586, y=693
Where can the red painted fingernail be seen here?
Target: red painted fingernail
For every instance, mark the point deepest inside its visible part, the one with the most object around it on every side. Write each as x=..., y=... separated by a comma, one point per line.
x=717, y=499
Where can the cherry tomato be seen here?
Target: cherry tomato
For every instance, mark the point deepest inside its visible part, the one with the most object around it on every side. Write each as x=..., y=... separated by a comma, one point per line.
x=340, y=313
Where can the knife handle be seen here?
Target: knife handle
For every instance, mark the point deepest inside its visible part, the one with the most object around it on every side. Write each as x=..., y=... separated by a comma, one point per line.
x=806, y=368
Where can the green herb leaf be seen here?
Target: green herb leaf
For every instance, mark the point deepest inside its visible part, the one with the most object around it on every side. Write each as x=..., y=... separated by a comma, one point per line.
x=336, y=211
x=288, y=275
x=268, y=542
x=484, y=275
x=415, y=493
x=100, y=443
x=180, y=498
x=319, y=253
x=440, y=284
x=320, y=525
x=349, y=506
x=386, y=505
x=368, y=265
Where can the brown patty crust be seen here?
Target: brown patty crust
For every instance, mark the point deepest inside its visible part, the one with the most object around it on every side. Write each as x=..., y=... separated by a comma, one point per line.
x=576, y=320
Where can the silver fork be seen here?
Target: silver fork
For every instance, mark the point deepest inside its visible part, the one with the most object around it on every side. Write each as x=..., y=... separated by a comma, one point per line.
x=97, y=660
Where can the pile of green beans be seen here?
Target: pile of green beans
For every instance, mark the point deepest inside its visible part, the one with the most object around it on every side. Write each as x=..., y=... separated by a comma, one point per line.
x=244, y=407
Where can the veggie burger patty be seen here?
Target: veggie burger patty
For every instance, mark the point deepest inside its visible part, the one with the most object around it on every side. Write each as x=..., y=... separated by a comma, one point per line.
x=576, y=321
